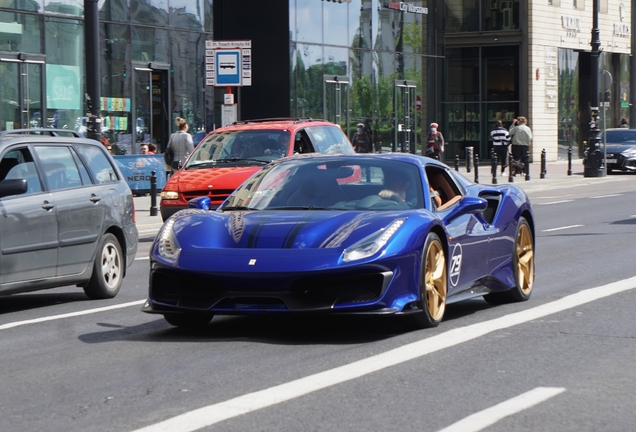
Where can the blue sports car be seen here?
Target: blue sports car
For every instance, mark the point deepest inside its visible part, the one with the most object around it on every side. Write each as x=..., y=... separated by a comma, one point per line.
x=381, y=234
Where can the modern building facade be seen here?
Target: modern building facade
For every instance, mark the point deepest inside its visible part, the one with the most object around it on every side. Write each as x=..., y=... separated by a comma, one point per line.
x=399, y=65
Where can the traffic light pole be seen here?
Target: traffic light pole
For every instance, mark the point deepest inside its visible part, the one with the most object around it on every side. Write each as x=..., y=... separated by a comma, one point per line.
x=594, y=159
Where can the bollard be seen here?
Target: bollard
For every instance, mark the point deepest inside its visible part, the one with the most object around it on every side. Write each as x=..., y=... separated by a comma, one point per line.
x=469, y=159
x=570, y=161
x=476, y=168
x=527, y=165
x=456, y=162
x=153, y=194
x=493, y=166
x=543, y=168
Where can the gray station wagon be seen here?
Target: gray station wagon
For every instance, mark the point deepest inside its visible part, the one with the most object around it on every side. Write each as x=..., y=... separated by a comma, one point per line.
x=66, y=214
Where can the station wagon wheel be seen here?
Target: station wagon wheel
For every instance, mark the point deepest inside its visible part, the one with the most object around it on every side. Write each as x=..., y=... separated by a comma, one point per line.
x=433, y=286
x=108, y=269
x=189, y=320
x=523, y=267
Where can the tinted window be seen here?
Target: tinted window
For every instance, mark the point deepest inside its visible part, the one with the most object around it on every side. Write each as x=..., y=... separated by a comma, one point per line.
x=329, y=140
x=625, y=136
x=18, y=164
x=99, y=165
x=59, y=167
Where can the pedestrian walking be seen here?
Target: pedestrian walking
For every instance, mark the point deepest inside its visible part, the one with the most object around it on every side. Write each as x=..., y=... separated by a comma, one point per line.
x=520, y=135
x=501, y=143
x=434, y=142
x=180, y=144
x=360, y=140
x=369, y=132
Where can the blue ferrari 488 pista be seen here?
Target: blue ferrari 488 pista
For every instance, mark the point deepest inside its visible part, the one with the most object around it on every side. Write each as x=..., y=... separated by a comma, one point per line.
x=383, y=234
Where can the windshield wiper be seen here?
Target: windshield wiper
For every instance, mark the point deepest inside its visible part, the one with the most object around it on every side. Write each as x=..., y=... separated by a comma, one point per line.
x=238, y=159
x=230, y=208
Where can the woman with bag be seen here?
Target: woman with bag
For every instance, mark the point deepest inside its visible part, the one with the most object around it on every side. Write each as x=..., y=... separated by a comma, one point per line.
x=180, y=144
x=434, y=142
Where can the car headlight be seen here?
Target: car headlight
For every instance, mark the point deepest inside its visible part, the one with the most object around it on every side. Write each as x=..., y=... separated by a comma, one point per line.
x=372, y=244
x=169, y=195
x=168, y=246
x=629, y=152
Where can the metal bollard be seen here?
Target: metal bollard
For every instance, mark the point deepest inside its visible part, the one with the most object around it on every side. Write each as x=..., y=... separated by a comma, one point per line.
x=476, y=168
x=493, y=166
x=570, y=161
x=543, y=165
x=153, y=194
x=456, y=162
x=469, y=159
x=527, y=165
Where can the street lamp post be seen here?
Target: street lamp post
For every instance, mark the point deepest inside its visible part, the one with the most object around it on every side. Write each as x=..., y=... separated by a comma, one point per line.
x=594, y=159
x=91, y=47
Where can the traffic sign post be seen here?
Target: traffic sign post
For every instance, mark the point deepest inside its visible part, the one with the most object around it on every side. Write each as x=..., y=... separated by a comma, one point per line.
x=228, y=63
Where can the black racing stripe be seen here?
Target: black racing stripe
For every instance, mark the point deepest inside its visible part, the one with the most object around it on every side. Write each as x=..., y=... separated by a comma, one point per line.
x=291, y=236
x=256, y=232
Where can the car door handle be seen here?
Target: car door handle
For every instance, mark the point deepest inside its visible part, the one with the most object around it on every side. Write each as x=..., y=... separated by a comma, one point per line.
x=95, y=198
x=47, y=205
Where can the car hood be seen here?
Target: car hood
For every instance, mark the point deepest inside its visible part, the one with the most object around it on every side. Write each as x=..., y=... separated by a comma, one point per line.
x=209, y=178
x=198, y=231
x=618, y=148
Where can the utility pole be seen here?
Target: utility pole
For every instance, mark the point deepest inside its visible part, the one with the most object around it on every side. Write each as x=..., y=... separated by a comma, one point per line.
x=594, y=160
x=91, y=47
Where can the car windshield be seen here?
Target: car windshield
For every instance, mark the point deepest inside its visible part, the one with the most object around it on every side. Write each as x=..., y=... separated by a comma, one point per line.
x=623, y=136
x=339, y=183
x=245, y=147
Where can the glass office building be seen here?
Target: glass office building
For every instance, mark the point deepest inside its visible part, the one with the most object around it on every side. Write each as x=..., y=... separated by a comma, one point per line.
x=398, y=65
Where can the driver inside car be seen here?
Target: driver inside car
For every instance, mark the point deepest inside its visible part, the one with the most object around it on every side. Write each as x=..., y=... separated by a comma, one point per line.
x=395, y=186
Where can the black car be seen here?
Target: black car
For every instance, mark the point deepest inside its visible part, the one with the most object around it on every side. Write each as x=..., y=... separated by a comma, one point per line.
x=620, y=149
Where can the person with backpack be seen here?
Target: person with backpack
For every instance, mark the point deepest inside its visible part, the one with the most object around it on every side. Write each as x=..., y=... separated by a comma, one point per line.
x=434, y=142
x=361, y=142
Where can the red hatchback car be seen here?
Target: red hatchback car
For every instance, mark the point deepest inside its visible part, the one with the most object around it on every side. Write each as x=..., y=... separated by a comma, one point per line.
x=228, y=156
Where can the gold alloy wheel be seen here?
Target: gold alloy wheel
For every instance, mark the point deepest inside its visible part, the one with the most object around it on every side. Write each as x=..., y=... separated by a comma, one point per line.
x=435, y=280
x=525, y=259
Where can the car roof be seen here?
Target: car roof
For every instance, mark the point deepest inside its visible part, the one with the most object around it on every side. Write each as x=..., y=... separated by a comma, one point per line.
x=282, y=123
x=44, y=135
x=400, y=157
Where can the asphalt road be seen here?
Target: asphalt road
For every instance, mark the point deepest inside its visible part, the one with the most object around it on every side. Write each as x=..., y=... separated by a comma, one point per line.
x=562, y=361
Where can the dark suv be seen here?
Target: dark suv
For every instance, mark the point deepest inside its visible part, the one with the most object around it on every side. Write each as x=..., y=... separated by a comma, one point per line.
x=66, y=214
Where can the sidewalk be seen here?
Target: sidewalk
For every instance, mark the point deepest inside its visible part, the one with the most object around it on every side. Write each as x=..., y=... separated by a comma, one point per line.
x=556, y=177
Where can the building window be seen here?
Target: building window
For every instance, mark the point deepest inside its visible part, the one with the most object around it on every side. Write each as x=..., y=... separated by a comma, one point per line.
x=554, y=2
x=602, y=7
x=579, y=4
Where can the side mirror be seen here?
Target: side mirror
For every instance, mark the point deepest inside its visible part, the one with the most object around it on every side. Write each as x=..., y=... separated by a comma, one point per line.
x=467, y=205
x=13, y=187
x=201, y=203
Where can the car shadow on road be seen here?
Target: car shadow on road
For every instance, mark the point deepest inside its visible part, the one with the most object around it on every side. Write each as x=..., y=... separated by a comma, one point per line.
x=23, y=302
x=281, y=330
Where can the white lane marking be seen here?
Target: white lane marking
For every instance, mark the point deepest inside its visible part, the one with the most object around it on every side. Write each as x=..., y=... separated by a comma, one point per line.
x=492, y=415
x=554, y=202
x=605, y=196
x=142, y=258
x=562, y=228
x=70, y=315
x=212, y=414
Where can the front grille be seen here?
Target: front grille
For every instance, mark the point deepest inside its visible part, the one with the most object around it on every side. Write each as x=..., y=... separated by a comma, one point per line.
x=214, y=194
x=340, y=290
x=279, y=292
x=183, y=291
